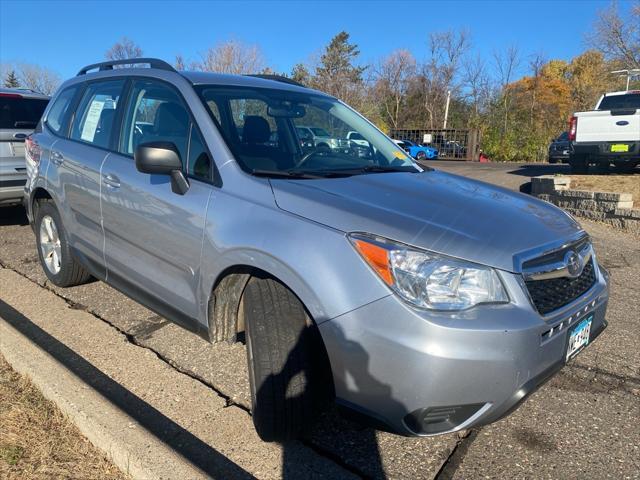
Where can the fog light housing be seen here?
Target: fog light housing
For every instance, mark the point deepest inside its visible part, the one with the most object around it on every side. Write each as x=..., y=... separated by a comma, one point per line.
x=433, y=420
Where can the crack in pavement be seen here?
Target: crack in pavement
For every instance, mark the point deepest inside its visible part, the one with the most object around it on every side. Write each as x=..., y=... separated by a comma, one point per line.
x=132, y=338
x=457, y=454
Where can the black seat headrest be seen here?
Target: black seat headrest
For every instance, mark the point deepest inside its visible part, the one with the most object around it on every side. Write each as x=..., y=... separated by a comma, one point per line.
x=256, y=130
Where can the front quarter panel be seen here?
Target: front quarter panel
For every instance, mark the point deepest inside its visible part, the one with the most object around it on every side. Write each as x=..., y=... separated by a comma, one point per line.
x=316, y=262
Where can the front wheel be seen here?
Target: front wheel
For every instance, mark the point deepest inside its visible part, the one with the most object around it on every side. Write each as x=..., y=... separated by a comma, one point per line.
x=53, y=250
x=285, y=361
x=421, y=156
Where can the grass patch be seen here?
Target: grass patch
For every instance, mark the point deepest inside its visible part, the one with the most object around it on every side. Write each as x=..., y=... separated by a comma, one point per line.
x=609, y=183
x=38, y=442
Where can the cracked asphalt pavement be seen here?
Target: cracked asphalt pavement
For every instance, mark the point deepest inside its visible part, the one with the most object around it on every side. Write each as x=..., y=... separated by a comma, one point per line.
x=584, y=423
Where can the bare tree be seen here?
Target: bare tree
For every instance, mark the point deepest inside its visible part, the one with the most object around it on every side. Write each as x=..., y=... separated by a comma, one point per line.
x=179, y=62
x=506, y=65
x=233, y=57
x=477, y=87
x=617, y=37
x=393, y=75
x=123, y=49
x=37, y=78
x=446, y=50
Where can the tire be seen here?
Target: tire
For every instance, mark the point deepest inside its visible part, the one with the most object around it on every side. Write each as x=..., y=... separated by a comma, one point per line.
x=60, y=267
x=285, y=358
x=579, y=165
x=626, y=167
x=421, y=156
x=553, y=160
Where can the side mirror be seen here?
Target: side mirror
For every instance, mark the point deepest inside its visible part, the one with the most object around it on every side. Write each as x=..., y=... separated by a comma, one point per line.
x=162, y=158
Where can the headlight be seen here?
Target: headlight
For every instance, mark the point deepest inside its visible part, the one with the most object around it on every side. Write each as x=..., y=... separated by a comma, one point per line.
x=430, y=280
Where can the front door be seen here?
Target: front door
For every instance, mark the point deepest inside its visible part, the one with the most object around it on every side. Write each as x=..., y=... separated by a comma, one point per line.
x=153, y=237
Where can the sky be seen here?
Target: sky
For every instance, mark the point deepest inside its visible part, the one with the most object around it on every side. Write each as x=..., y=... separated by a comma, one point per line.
x=66, y=35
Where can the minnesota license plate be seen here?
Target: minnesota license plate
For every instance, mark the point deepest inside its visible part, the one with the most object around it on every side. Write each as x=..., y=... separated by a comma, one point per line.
x=579, y=337
x=619, y=147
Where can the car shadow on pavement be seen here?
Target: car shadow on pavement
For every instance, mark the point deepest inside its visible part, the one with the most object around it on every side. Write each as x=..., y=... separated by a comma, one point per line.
x=535, y=170
x=194, y=450
x=352, y=445
x=13, y=216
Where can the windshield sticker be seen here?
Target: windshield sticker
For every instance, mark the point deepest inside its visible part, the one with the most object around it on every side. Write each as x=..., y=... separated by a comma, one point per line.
x=400, y=155
x=91, y=122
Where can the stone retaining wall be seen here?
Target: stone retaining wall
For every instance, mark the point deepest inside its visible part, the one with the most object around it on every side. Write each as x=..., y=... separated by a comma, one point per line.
x=615, y=209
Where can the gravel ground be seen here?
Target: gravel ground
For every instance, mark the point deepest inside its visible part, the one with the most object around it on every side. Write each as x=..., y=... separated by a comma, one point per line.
x=581, y=424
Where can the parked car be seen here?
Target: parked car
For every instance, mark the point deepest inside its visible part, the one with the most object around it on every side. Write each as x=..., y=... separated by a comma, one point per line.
x=419, y=152
x=20, y=111
x=608, y=135
x=560, y=149
x=424, y=301
x=323, y=140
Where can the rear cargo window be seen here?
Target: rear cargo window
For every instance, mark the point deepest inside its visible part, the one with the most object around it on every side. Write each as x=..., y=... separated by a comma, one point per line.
x=616, y=102
x=17, y=112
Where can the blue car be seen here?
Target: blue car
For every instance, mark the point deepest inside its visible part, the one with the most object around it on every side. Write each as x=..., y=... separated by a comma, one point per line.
x=418, y=152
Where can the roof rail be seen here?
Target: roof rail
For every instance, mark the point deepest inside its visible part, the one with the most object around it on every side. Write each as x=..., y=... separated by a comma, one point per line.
x=102, y=66
x=277, y=78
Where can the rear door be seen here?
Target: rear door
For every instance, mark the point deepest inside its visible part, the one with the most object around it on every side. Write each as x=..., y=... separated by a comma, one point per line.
x=19, y=115
x=153, y=237
x=75, y=164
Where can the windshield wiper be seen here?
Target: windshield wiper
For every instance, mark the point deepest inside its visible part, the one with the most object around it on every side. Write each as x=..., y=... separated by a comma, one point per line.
x=375, y=169
x=284, y=173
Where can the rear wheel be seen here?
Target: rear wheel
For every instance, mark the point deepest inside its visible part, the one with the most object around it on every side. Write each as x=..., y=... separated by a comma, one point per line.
x=285, y=360
x=625, y=167
x=53, y=250
x=579, y=164
x=421, y=155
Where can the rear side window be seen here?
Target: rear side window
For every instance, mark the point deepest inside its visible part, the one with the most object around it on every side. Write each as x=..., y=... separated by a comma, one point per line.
x=615, y=102
x=96, y=113
x=17, y=112
x=58, y=113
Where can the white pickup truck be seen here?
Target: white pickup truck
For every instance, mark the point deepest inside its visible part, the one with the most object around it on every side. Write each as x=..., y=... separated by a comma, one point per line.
x=610, y=134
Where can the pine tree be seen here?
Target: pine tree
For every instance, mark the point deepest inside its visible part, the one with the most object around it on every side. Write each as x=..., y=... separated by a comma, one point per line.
x=11, y=80
x=337, y=73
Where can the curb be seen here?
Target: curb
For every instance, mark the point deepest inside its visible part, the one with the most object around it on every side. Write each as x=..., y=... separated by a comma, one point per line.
x=96, y=418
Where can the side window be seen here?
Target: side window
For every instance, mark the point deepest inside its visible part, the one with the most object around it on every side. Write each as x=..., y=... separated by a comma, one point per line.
x=155, y=113
x=199, y=165
x=58, y=112
x=96, y=113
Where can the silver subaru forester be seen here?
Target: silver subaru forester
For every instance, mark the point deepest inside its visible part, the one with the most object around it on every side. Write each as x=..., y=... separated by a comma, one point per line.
x=422, y=301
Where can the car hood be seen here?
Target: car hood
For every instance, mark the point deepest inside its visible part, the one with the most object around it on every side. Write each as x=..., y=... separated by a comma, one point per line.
x=437, y=211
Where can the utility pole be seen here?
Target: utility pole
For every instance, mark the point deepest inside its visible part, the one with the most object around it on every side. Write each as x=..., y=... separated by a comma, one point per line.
x=629, y=74
x=446, y=110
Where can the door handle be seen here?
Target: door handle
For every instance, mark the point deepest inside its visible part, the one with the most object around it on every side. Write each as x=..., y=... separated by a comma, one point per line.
x=111, y=180
x=19, y=136
x=56, y=157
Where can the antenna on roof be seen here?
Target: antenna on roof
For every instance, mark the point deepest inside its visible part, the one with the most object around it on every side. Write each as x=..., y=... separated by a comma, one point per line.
x=631, y=73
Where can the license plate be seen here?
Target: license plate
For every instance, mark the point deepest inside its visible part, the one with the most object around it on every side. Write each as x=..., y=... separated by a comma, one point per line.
x=619, y=147
x=579, y=337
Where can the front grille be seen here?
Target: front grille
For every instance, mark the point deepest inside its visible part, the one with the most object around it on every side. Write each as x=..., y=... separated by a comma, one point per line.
x=549, y=295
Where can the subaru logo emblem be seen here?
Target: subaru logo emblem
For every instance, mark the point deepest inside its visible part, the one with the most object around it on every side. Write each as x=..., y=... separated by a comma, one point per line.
x=574, y=264
x=622, y=123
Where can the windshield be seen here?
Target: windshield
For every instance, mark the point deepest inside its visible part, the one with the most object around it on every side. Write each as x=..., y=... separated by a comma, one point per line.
x=614, y=102
x=267, y=130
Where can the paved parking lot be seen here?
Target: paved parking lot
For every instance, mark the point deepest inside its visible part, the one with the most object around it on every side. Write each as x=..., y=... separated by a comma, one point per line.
x=582, y=424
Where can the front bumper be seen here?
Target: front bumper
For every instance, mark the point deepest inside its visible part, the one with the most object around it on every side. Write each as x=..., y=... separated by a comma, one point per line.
x=395, y=364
